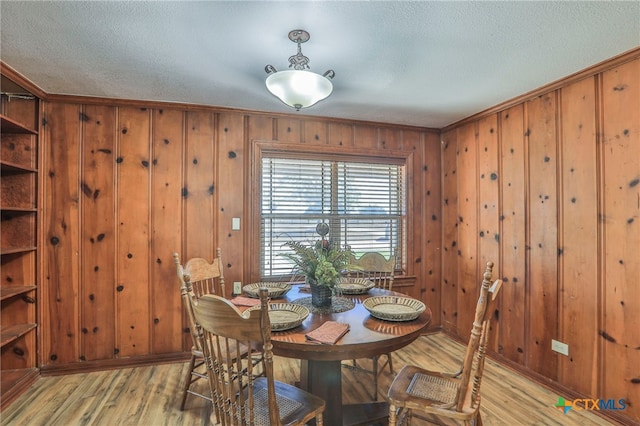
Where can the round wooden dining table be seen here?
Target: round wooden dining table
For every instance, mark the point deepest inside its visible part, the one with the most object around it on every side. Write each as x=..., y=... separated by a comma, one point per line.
x=320, y=364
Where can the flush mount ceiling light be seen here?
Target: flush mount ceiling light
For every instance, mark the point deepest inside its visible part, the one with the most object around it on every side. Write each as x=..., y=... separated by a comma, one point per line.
x=298, y=87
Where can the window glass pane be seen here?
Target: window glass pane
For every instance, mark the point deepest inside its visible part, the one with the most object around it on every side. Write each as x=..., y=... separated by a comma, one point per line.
x=362, y=203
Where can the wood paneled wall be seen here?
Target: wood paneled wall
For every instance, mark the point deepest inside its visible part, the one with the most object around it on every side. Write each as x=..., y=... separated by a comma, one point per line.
x=548, y=189
x=126, y=185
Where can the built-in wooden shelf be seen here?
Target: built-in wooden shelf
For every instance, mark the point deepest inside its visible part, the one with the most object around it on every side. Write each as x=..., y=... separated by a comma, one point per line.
x=19, y=182
x=12, y=291
x=9, y=125
x=8, y=167
x=14, y=332
x=18, y=209
x=13, y=250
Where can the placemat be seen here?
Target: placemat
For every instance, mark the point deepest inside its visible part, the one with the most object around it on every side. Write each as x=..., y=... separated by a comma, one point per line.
x=338, y=304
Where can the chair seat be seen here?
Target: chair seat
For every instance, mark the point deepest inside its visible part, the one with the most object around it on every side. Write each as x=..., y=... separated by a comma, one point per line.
x=429, y=393
x=293, y=403
x=415, y=385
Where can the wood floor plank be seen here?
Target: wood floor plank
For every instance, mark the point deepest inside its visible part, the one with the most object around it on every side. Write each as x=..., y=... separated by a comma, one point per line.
x=151, y=395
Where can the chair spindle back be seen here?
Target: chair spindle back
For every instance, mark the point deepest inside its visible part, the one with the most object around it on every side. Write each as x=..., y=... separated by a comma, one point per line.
x=473, y=365
x=375, y=267
x=226, y=330
x=200, y=277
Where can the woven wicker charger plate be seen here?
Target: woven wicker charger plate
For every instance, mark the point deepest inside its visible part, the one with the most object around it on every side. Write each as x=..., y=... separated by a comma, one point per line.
x=275, y=289
x=354, y=285
x=394, y=308
x=284, y=316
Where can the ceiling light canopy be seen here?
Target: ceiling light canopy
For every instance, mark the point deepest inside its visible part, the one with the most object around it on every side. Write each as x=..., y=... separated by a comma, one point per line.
x=298, y=87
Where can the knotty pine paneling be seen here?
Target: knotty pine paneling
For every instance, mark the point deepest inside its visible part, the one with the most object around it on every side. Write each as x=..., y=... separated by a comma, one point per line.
x=466, y=245
x=569, y=179
x=263, y=127
x=288, y=130
x=98, y=233
x=366, y=137
x=415, y=241
x=166, y=228
x=578, y=236
x=512, y=235
x=231, y=195
x=488, y=194
x=489, y=202
x=391, y=139
x=431, y=245
x=620, y=221
x=198, y=191
x=542, y=205
x=315, y=132
x=341, y=134
x=450, y=231
x=61, y=257
x=133, y=212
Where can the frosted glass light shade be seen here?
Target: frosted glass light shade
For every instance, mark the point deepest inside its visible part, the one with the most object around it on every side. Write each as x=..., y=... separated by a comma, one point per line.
x=298, y=88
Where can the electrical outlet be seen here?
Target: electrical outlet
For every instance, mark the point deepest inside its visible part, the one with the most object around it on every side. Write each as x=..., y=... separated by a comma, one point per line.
x=561, y=348
x=237, y=287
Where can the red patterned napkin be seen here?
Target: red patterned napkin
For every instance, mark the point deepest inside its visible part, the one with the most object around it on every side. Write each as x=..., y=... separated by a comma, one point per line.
x=245, y=301
x=328, y=333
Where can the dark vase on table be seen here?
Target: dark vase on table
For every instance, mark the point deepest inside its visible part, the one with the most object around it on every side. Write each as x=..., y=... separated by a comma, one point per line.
x=320, y=295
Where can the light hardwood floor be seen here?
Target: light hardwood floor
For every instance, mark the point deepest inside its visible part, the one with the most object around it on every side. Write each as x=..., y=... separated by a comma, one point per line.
x=150, y=396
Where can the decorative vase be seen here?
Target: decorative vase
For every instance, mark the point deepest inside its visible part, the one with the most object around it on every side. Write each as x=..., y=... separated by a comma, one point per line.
x=320, y=295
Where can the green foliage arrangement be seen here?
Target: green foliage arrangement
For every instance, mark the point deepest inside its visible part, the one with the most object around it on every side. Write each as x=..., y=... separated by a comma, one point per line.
x=321, y=263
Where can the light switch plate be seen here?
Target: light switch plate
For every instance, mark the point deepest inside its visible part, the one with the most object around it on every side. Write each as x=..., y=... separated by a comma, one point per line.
x=237, y=287
x=235, y=224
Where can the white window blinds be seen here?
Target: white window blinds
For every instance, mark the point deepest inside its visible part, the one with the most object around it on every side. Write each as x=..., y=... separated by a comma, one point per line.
x=363, y=204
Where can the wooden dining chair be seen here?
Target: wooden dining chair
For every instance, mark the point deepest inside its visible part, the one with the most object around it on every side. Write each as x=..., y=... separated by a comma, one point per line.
x=456, y=395
x=241, y=397
x=374, y=267
x=197, y=276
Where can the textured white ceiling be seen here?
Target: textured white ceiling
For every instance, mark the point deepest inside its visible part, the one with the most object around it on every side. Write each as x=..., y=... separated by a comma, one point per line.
x=426, y=63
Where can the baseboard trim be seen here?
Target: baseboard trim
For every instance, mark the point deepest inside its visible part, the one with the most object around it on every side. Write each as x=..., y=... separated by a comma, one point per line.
x=113, y=364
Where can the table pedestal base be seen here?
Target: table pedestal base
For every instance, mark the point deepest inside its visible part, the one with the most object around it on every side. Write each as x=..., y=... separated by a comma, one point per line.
x=324, y=379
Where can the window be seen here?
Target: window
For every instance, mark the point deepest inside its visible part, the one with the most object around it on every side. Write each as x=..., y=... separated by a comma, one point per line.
x=363, y=204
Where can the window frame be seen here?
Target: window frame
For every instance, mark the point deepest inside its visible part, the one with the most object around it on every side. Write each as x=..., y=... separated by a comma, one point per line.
x=261, y=148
